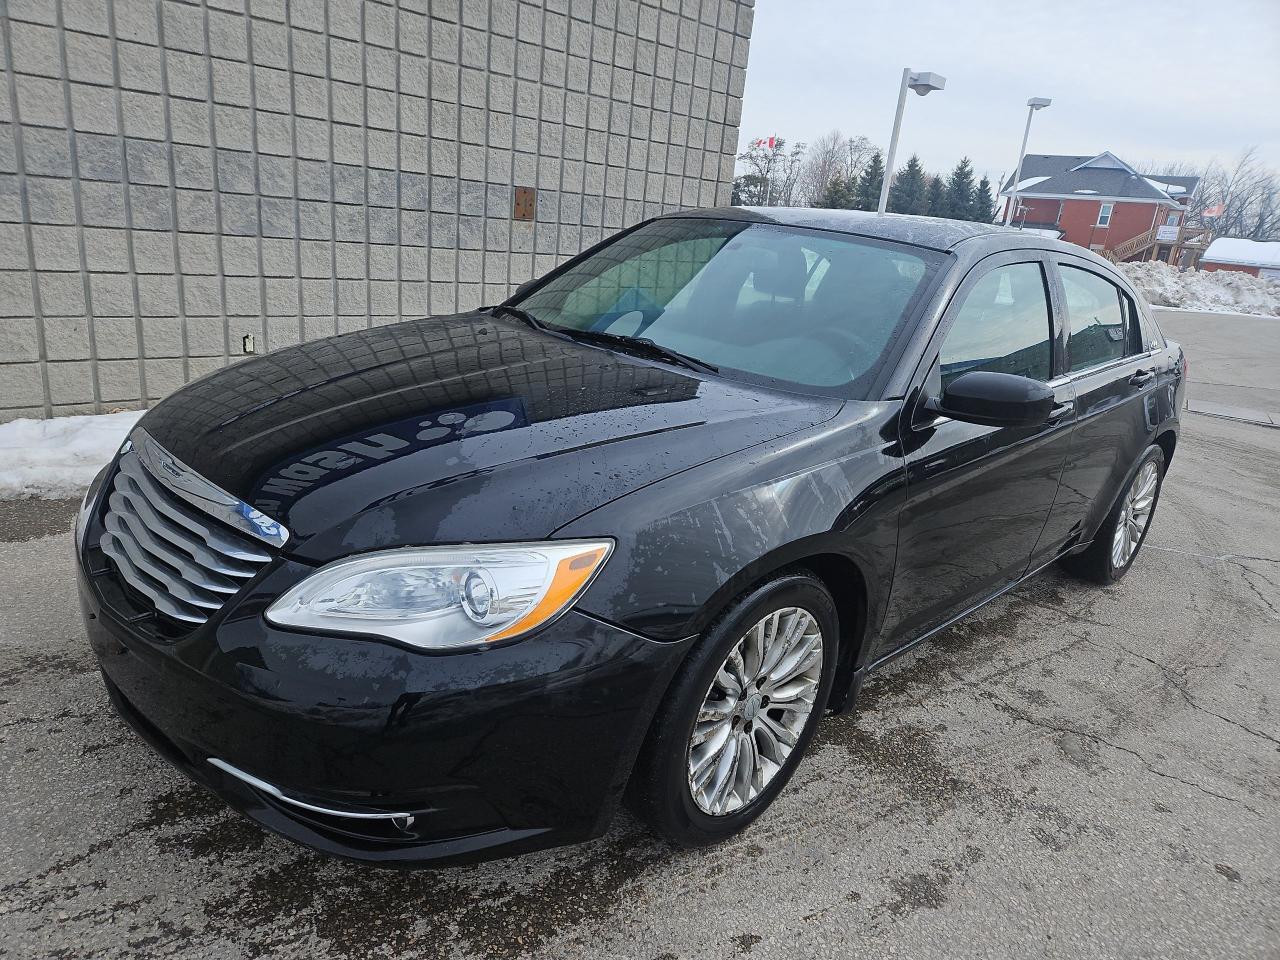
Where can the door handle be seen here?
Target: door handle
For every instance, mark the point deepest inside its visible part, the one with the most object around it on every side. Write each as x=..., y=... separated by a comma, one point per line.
x=1142, y=378
x=1060, y=411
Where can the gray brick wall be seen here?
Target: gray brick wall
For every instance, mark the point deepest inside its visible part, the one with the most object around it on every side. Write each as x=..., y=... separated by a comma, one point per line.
x=176, y=174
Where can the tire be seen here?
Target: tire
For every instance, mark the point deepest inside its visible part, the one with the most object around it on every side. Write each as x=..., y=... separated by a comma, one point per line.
x=1102, y=561
x=662, y=790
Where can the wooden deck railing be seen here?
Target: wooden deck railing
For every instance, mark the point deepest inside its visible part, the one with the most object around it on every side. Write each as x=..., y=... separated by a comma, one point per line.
x=1186, y=236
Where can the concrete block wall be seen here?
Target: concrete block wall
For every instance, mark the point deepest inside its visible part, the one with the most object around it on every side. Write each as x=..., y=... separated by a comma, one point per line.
x=178, y=174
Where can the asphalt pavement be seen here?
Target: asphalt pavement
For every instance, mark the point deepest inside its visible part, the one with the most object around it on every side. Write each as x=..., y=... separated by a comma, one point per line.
x=1235, y=360
x=1070, y=772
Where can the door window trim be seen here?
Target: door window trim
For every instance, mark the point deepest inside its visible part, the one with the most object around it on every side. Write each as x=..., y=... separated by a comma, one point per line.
x=1057, y=262
x=971, y=279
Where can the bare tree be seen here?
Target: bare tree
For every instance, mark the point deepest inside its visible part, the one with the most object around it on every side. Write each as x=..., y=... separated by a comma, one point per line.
x=1248, y=195
x=831, y=156
x=858, y=152
x=1242, y=200
x=771, y=173
x=824, y=161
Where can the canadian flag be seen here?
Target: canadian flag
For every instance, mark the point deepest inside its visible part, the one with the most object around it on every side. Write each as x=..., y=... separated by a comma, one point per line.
x=769, y=142
x=1217, y=210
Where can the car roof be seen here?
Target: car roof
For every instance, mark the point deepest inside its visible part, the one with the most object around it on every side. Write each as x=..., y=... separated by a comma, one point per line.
x=932, y=232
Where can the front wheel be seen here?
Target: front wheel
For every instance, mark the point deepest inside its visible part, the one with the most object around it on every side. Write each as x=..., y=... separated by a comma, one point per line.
x=740, y=714
x=1121, y=535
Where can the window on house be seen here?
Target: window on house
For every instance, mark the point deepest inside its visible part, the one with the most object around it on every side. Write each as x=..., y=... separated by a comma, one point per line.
x=1104, y=214
x=1172, y=220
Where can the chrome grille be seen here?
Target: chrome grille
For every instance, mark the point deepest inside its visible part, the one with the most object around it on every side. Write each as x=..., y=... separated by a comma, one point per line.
x=186, y=565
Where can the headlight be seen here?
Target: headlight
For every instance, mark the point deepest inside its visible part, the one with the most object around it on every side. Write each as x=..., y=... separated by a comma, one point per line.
x=444, y=598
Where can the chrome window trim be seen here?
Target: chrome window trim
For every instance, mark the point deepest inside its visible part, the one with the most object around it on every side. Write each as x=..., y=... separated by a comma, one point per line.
x=184, y=482
x=1106, y=364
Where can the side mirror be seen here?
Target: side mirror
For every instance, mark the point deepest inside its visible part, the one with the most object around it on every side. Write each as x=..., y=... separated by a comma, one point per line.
x=526, y=287
x=995, y=400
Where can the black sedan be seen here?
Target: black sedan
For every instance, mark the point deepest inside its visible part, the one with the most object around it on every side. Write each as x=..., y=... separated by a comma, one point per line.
x=454, y=588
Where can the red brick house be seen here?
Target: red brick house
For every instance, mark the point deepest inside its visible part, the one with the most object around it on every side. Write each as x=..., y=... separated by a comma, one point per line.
x=1102, y=203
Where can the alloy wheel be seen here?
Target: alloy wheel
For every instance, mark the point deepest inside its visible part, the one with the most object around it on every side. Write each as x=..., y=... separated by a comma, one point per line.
x=755, y=711
x=1135, y=514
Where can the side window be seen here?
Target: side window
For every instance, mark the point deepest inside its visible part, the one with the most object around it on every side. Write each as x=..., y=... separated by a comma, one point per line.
x=1096, y=310
x=1002, y=325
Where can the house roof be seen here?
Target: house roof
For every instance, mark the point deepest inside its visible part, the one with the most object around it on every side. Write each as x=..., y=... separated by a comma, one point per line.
x=1245, y=253
x=1104, y=175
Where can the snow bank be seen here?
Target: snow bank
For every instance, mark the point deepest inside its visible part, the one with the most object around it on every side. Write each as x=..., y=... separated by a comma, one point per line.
x=1221, y=291
x=59, y=457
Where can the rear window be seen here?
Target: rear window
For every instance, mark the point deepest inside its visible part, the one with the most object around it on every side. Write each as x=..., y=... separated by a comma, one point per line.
x=1099, y=317
x=809, y=308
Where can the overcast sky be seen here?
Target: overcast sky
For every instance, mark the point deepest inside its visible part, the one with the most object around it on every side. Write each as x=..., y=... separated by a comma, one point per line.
x=1176, y=80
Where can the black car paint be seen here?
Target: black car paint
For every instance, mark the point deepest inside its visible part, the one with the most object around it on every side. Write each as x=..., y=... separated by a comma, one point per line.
x=707, y=485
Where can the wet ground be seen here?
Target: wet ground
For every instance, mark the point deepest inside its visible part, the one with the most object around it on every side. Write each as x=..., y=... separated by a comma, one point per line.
x=1072, y=772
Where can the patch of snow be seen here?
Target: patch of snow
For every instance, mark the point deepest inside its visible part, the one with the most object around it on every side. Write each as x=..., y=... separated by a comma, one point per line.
x=58, y=458
x=1169, y=188
x=1084, y=191
x=1031, y=182
x=1218, y=291
x=1253, y=253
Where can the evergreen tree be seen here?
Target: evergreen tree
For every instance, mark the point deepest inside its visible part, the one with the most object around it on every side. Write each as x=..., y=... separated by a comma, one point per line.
x=984, y=204
x=959, y=198
x=909, y=193
x=866, y=195
x=937, y=197
x=838, y=195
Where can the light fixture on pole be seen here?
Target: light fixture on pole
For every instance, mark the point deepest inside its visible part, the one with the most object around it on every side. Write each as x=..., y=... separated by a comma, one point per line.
x=921, y=83
x=1034, y=104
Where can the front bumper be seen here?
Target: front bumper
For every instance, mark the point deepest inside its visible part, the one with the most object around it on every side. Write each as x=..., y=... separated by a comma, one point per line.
x=370, y=751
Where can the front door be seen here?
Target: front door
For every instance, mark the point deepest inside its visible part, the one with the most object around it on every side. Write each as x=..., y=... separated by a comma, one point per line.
x=977, y=496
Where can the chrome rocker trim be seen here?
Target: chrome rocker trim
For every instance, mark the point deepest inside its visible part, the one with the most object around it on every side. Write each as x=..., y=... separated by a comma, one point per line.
x=200, y=493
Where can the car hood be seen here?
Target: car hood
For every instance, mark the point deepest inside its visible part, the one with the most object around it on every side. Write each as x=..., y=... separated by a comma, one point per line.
x=455, y=429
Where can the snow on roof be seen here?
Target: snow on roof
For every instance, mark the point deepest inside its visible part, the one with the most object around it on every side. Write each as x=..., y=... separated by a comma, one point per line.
x=1170, y=188
x=1084, y=191
x=1031, y=182
x=1249, y=253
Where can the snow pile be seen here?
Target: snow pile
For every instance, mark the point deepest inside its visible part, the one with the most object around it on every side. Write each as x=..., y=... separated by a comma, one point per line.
x=59, y=457
x=1221, y=291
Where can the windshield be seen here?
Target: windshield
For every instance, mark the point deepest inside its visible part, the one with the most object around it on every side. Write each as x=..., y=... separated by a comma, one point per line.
x=814, y=309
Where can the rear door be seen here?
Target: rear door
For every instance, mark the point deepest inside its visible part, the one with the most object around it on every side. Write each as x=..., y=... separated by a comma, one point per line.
x=977, y=497
x=1114, y=369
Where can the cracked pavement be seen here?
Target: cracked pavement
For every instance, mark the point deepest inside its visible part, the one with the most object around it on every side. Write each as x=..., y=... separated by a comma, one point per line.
x=1072, y=771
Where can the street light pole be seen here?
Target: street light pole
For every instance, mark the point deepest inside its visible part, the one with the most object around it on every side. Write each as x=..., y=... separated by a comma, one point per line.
x=921, y=83
x=1034, y=104
x=893, y=143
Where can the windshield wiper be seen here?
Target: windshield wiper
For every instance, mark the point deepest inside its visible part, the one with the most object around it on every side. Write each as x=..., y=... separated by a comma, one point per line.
x=522, y=315
x=650, y=347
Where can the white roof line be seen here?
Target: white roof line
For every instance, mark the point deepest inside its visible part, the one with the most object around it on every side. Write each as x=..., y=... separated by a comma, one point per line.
x=1106, y=153
x=1023, y=194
